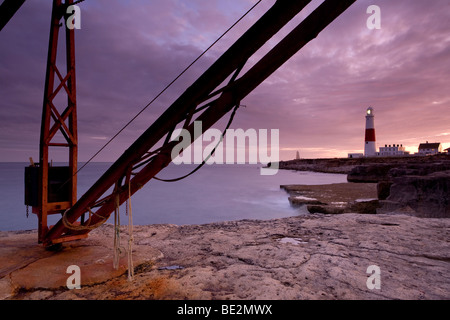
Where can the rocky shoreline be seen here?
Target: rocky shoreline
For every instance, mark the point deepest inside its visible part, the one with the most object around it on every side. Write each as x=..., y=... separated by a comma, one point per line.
x=309, y=256
x=335, y=198
x=346, y=165
x=304, y=257
x=409, y=185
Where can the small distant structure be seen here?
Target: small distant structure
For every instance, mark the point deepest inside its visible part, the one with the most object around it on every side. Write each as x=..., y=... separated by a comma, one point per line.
x=393, y=151
x=447, y=150
x=297, y=156
x=427, y=149
x=355, y=155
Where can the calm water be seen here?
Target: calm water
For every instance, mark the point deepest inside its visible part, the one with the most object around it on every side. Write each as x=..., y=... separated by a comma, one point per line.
x=213, y=194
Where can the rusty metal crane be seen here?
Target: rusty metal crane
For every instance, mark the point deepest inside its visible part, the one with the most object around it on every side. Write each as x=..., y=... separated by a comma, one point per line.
x=203, y=101
x=51, y=189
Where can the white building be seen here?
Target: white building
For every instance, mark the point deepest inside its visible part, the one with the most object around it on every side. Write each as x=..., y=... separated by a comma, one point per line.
x=393, y=151
x=430, y=148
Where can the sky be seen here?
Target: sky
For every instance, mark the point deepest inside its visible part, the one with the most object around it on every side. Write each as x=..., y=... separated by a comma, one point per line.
x=128, y=51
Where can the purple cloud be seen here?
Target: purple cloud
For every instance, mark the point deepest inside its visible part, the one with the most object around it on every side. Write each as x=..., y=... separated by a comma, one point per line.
x=127, y=51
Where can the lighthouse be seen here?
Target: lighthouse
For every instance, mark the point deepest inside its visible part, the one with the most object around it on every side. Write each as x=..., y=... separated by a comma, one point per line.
x=369, y=146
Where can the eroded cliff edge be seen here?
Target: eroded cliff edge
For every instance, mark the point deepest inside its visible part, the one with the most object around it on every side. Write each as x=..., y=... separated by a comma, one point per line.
x=418, y=186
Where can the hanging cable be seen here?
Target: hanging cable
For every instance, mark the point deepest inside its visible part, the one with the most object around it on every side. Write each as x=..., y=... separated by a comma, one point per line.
x=169, y=85
x=210, y=154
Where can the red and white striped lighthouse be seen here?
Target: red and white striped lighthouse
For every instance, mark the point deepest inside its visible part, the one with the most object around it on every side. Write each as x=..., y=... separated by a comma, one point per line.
x=370, y=143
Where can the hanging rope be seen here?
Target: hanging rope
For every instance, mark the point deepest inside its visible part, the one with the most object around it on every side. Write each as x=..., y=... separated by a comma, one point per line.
x=130, y=236
x=117, y=250
x=79, y=227
x=117, y=247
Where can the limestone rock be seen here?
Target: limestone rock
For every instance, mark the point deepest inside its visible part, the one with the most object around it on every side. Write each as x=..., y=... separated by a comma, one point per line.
x=325, y=209
x=27, y=265
x=421, y=169
x=334, y=198
x=413, y=186
x=370, y=173
x=383, y=189
x=376, y=172
x=305, y=257
x=302, y=200
x=369, y=207
x=424, y=196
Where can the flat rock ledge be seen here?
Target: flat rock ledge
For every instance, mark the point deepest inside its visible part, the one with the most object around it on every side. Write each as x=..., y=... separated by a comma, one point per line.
x=304, y=257
x=334, y=198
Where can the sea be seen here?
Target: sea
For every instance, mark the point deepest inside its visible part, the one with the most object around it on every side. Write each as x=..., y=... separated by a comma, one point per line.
x=215, y=193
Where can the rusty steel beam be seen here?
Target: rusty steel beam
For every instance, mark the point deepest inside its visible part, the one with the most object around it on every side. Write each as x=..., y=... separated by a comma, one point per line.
x=281, y=13
x=7, y=10
x=49, y=111
x=267, y=26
